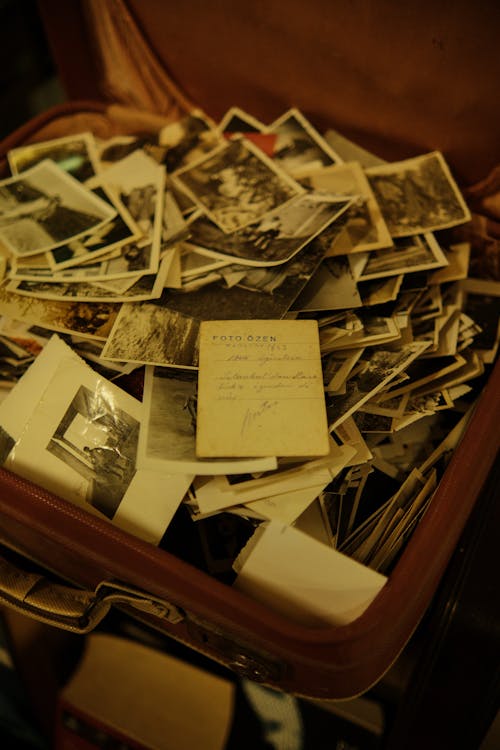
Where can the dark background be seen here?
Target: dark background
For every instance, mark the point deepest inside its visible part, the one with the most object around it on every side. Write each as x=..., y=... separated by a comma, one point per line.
x=28, y=80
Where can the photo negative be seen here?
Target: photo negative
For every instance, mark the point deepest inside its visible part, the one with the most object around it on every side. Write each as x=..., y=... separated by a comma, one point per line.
x=75, y=154
x=299, y=143
x=275, y=238
x=45, y=207
x=98, y=440
x=236, y=185
x=418, y=195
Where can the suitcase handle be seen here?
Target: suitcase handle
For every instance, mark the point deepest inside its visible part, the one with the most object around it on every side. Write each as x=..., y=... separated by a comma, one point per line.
x=73, y=609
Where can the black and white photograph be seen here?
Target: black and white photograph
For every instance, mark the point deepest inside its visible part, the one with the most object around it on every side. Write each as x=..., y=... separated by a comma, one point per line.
x=168, y=428
x=275, y=238
x=187, y=140
x=236, y=185
x=149, y=286
x=153, y=334
x=125, y=263
x=80, y=441
x=139, y=182
x=111, y=236
x=46, y=207
x=75, y=154
x=409, y=255
x=237, y=120
x=195, y=263
x=381, y=367
x=87, y=319
x=331, y=288
x=299, y=143
x=418, y=195
x=373, y=329
x=98, y=440
x=365, y=226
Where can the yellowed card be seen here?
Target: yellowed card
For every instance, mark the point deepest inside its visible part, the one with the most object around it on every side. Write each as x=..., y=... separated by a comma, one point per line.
x=260, y=389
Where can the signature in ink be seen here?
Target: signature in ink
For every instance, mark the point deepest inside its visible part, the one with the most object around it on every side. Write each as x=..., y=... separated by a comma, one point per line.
x=253, y=414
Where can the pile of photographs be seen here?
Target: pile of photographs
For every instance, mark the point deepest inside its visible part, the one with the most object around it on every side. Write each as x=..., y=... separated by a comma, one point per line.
x=123, y=247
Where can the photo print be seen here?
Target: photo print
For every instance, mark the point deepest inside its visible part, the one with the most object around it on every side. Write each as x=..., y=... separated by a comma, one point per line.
x=365, y=227
x=408, y=255
x=75, y=154
x=45, y=207
x=76, y=436
x=418, y=195
x=237, y=121
x=187, y=140
x=236, y=185
x=99, y=442
x=168, y=428
x=275, y=238
x=87, y=319
x=299, y=143
x=117, y=232
x=153, y=334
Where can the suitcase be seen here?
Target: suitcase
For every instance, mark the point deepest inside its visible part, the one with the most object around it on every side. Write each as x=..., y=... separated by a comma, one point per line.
x=124, y=57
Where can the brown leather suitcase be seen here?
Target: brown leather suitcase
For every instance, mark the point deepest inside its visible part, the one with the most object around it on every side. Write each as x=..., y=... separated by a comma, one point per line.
x=399, y=82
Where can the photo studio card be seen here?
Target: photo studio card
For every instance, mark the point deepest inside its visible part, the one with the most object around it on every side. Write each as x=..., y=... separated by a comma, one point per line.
x=260, y=390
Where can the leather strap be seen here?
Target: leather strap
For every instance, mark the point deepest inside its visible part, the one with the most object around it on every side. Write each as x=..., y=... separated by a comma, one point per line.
x=68, y=608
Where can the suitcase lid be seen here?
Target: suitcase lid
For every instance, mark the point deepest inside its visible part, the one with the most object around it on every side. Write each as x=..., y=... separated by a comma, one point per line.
x=399, y=80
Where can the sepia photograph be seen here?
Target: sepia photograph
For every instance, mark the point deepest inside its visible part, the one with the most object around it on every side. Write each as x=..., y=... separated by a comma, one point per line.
x=236, y=185
x=275, y=238
x=418, y=195
x=88, y=319
x=46, y=207
x=187, y=140
x=75, y=154
x=147, y=287
x=153, y=334
x=409, y=255
x=168, y=428
x=299, y=143
x=331, y=288
x=382, y=366
x=365, y=226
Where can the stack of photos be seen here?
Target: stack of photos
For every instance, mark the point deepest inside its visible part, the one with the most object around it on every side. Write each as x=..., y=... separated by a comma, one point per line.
x=115, y=253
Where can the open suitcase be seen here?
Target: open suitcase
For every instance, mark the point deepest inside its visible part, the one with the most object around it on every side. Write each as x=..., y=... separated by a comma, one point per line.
x=398, y=82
